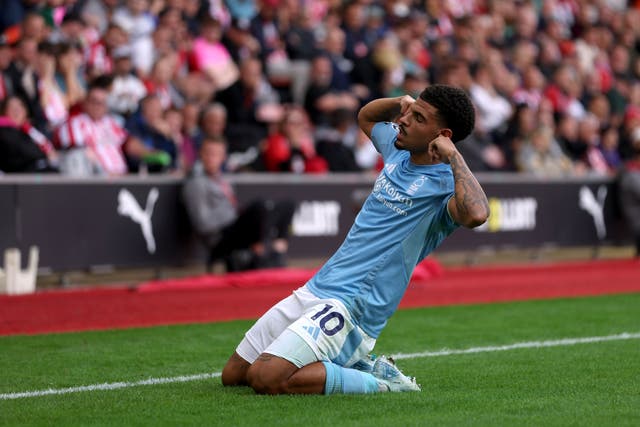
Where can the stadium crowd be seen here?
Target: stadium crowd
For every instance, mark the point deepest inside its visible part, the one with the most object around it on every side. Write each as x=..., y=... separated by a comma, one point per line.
x=132, y=86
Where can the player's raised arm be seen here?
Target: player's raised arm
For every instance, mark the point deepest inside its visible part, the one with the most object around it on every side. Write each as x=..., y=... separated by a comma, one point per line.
x=469, y=206
x=382, y=110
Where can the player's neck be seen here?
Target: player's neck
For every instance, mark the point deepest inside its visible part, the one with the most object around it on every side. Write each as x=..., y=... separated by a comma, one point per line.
x=423, y=159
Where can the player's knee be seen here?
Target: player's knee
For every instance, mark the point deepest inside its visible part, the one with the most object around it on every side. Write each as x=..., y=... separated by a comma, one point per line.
x=235, y=371
x=232, y=377
x=262, y=381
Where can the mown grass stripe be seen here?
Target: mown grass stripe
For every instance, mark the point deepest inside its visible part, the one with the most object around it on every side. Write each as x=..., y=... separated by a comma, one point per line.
x=198, y=377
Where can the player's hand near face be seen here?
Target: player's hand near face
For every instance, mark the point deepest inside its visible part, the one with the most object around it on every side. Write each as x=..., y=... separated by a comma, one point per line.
x=405, y=103
x=442, y=149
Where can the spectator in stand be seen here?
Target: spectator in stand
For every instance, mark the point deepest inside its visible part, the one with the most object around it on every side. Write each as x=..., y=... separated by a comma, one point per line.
x=22, y=147
x=191, y=112
x=336, y=142
x=609, y=141
x=291, y=148
x=34, y=26
x=25, y=81
x=589, y=135
x=492, y=109
x=302, y=47
x=211, y=122
x=210, y=57
x=265, y=28
x=568, y=136
x=530, y=92
x=127, y=89
x=185, y=146
x=54, y=102
x=629, y=191
x=252, y=105
x=153, y=146
x=239, y=41
x=160, y=81
x=6, y=57
x=135, y=18
x=99, y=56
x=630, y=123
x=342, y=73
x=321, y=99
x=70, y=74
x=541, y=155
x=563, y=91
x=98, y=13
x=93, y=139
x=248, y=237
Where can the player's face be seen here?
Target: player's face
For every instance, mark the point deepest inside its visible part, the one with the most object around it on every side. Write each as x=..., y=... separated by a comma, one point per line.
x=418, y=127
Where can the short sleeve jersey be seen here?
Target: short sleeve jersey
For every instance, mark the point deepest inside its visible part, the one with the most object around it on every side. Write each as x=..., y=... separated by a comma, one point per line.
x=403, y=219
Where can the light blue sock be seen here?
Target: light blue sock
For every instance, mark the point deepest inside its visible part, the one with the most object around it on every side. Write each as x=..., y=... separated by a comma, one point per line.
x=348, y=381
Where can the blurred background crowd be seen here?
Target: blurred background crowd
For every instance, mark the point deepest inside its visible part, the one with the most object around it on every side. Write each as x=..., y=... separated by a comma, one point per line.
x=109, y=87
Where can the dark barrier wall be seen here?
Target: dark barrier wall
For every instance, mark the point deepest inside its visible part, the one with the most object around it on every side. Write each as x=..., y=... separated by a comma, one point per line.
x=130, y=222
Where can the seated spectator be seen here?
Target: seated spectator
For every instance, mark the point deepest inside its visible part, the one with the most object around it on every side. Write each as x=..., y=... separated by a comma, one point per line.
x=93, y=139
x=99, y=56
x=185, y=145
x=25, y=81
x=321, y=98
x=212, y=122
x=211, y=57
x=160, y=81
x=336, y=142
x=609, y=146
x=492, y=109
x=252, y=105
x=541, y=155
x=291, y=147
x=629, y=191
x=127, y=89
x=54, y=102
x=152, y=143
x=135, y=18
x=6, y=58
x=247, y=237
x=22, y=147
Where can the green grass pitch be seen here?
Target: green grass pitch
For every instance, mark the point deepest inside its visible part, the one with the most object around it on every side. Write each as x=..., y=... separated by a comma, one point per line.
x=584, y=384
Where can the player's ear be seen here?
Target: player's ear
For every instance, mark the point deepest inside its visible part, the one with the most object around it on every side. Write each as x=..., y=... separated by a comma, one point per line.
x=446, y=132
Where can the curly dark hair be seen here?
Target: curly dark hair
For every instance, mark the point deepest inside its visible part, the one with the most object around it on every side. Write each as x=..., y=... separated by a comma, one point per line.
x=455, y=109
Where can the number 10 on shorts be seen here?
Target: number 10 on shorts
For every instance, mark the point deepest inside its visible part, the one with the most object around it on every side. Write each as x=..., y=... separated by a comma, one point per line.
x=331, y=322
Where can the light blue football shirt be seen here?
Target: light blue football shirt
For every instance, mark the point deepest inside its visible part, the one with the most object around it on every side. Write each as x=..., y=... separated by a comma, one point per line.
x=404, y=218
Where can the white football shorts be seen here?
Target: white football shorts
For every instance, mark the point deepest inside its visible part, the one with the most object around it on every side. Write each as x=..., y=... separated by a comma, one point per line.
x=303, y=328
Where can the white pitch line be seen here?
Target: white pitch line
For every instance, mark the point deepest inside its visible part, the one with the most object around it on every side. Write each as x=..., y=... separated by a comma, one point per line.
x=108, y=386
x=516, y=346
x=198, y=377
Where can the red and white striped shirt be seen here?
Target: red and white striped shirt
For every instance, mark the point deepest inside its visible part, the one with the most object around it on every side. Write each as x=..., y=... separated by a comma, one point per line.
x=103, y=138
x=97, y=59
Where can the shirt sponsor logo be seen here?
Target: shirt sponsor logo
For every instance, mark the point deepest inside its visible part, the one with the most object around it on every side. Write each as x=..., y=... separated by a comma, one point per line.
x=387, y=194
x=415, y=186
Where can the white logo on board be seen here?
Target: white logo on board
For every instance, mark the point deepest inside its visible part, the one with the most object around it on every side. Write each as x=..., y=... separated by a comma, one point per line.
x=317, y=218
x=128, y=206
x=595, y=207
